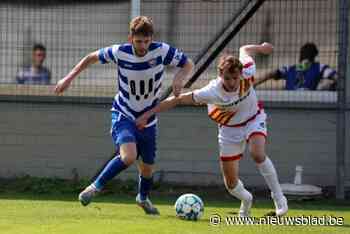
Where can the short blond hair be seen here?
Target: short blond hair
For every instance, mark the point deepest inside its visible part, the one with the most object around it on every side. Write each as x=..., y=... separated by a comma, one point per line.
x=141, y=25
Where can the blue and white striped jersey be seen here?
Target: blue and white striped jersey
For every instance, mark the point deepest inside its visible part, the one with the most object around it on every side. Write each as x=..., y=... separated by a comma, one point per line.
x=140, y=78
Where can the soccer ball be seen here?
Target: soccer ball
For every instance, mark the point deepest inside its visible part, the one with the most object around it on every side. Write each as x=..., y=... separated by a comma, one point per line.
x=189, y=206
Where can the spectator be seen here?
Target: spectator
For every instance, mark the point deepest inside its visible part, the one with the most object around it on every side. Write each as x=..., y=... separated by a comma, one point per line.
x=307, y=75
x=35, y=73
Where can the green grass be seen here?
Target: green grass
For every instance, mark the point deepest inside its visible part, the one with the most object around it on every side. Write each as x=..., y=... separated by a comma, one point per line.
x=46, y=214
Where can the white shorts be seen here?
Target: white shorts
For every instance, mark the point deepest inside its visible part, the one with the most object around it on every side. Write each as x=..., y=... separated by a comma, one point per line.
x=233, y=140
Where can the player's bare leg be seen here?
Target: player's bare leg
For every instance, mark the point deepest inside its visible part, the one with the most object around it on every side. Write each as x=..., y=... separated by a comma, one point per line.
x=235, y=186
x=128, y=155
x=145, y=183
x=267, y=170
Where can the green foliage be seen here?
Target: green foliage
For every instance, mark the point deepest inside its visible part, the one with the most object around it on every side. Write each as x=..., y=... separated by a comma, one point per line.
x=27, y=184
x=35, y=185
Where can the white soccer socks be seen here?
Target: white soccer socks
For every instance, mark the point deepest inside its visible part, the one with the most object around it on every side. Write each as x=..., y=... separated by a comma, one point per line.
x=268, y=171
x=245, y=196
x=281, y=205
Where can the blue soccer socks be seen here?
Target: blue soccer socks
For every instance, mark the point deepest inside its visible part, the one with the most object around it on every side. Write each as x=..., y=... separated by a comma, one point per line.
x=145, y=185
x=113, y=168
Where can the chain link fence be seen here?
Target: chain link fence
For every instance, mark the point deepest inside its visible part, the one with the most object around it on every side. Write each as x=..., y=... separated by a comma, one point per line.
x=71, y=29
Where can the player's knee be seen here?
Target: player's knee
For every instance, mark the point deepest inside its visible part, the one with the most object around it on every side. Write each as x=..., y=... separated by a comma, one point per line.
x=128, y=154
x=231, y=182
x=257, y=148
x=258, y=155
x=129, y=159
x=147, y=172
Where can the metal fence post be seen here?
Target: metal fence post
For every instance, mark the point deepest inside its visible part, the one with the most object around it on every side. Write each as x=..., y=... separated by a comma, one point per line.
x=343, y=88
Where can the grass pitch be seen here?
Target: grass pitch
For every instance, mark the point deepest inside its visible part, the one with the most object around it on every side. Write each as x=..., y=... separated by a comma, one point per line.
x=46, y=214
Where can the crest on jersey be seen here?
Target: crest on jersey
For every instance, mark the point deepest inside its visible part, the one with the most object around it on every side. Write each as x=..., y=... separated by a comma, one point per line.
x=262, y=125
x=152, y=62
x=178, y=56
x=248, y=70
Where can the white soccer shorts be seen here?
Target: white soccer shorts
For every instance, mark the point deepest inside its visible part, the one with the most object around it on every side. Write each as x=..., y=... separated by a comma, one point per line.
x=233, y=140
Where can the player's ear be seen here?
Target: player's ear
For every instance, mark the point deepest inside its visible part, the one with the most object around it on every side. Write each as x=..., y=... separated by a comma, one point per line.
x=130, y=38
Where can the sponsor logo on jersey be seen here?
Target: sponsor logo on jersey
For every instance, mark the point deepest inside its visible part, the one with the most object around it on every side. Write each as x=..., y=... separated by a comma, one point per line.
x=152, y=62
x=234, y=103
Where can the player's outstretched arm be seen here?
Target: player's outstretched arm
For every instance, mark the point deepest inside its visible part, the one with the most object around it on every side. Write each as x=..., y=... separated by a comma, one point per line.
x=263, y=48
x=167, y=104
x=64, y=83
x=180, y=76
x=267, y=76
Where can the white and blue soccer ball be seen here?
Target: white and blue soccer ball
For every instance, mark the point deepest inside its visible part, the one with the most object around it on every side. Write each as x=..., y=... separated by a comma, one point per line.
x=189, y=206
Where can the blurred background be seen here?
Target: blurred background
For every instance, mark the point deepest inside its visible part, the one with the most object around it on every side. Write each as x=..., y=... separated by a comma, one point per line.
x=48, y=136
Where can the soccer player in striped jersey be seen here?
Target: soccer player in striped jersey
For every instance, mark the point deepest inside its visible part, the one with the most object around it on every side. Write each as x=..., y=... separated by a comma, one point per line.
x=140, y=64
x=233, y=104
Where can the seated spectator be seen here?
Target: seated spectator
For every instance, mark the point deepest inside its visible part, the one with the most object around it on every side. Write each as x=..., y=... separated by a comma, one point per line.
x=307, y=75
x=35, y=73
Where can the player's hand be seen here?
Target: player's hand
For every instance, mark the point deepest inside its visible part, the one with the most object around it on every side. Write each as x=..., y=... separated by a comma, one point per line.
x=141, y=121
x=266, y=48
x=177, y=87
x=62, y=85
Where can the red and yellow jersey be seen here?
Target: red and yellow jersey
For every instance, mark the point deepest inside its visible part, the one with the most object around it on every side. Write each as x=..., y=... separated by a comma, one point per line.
x=231, y=108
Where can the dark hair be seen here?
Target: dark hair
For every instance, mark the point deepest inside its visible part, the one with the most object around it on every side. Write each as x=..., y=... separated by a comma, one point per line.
x=308, y=51
x=39, y=46
x=141, y=25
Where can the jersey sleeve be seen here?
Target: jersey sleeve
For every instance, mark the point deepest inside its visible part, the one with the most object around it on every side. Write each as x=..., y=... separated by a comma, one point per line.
x=108, y=54
x=173, y=56
x=249, y=68
x=204, y=95
x=327, y=72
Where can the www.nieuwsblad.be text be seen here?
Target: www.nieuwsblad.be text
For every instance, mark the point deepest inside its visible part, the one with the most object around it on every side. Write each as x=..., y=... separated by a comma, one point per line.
x=303, y=220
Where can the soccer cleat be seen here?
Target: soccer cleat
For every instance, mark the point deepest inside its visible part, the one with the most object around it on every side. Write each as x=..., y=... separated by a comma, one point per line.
x=146, y=205
x=281, y=205
x=86, y=196
x=244, y=210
